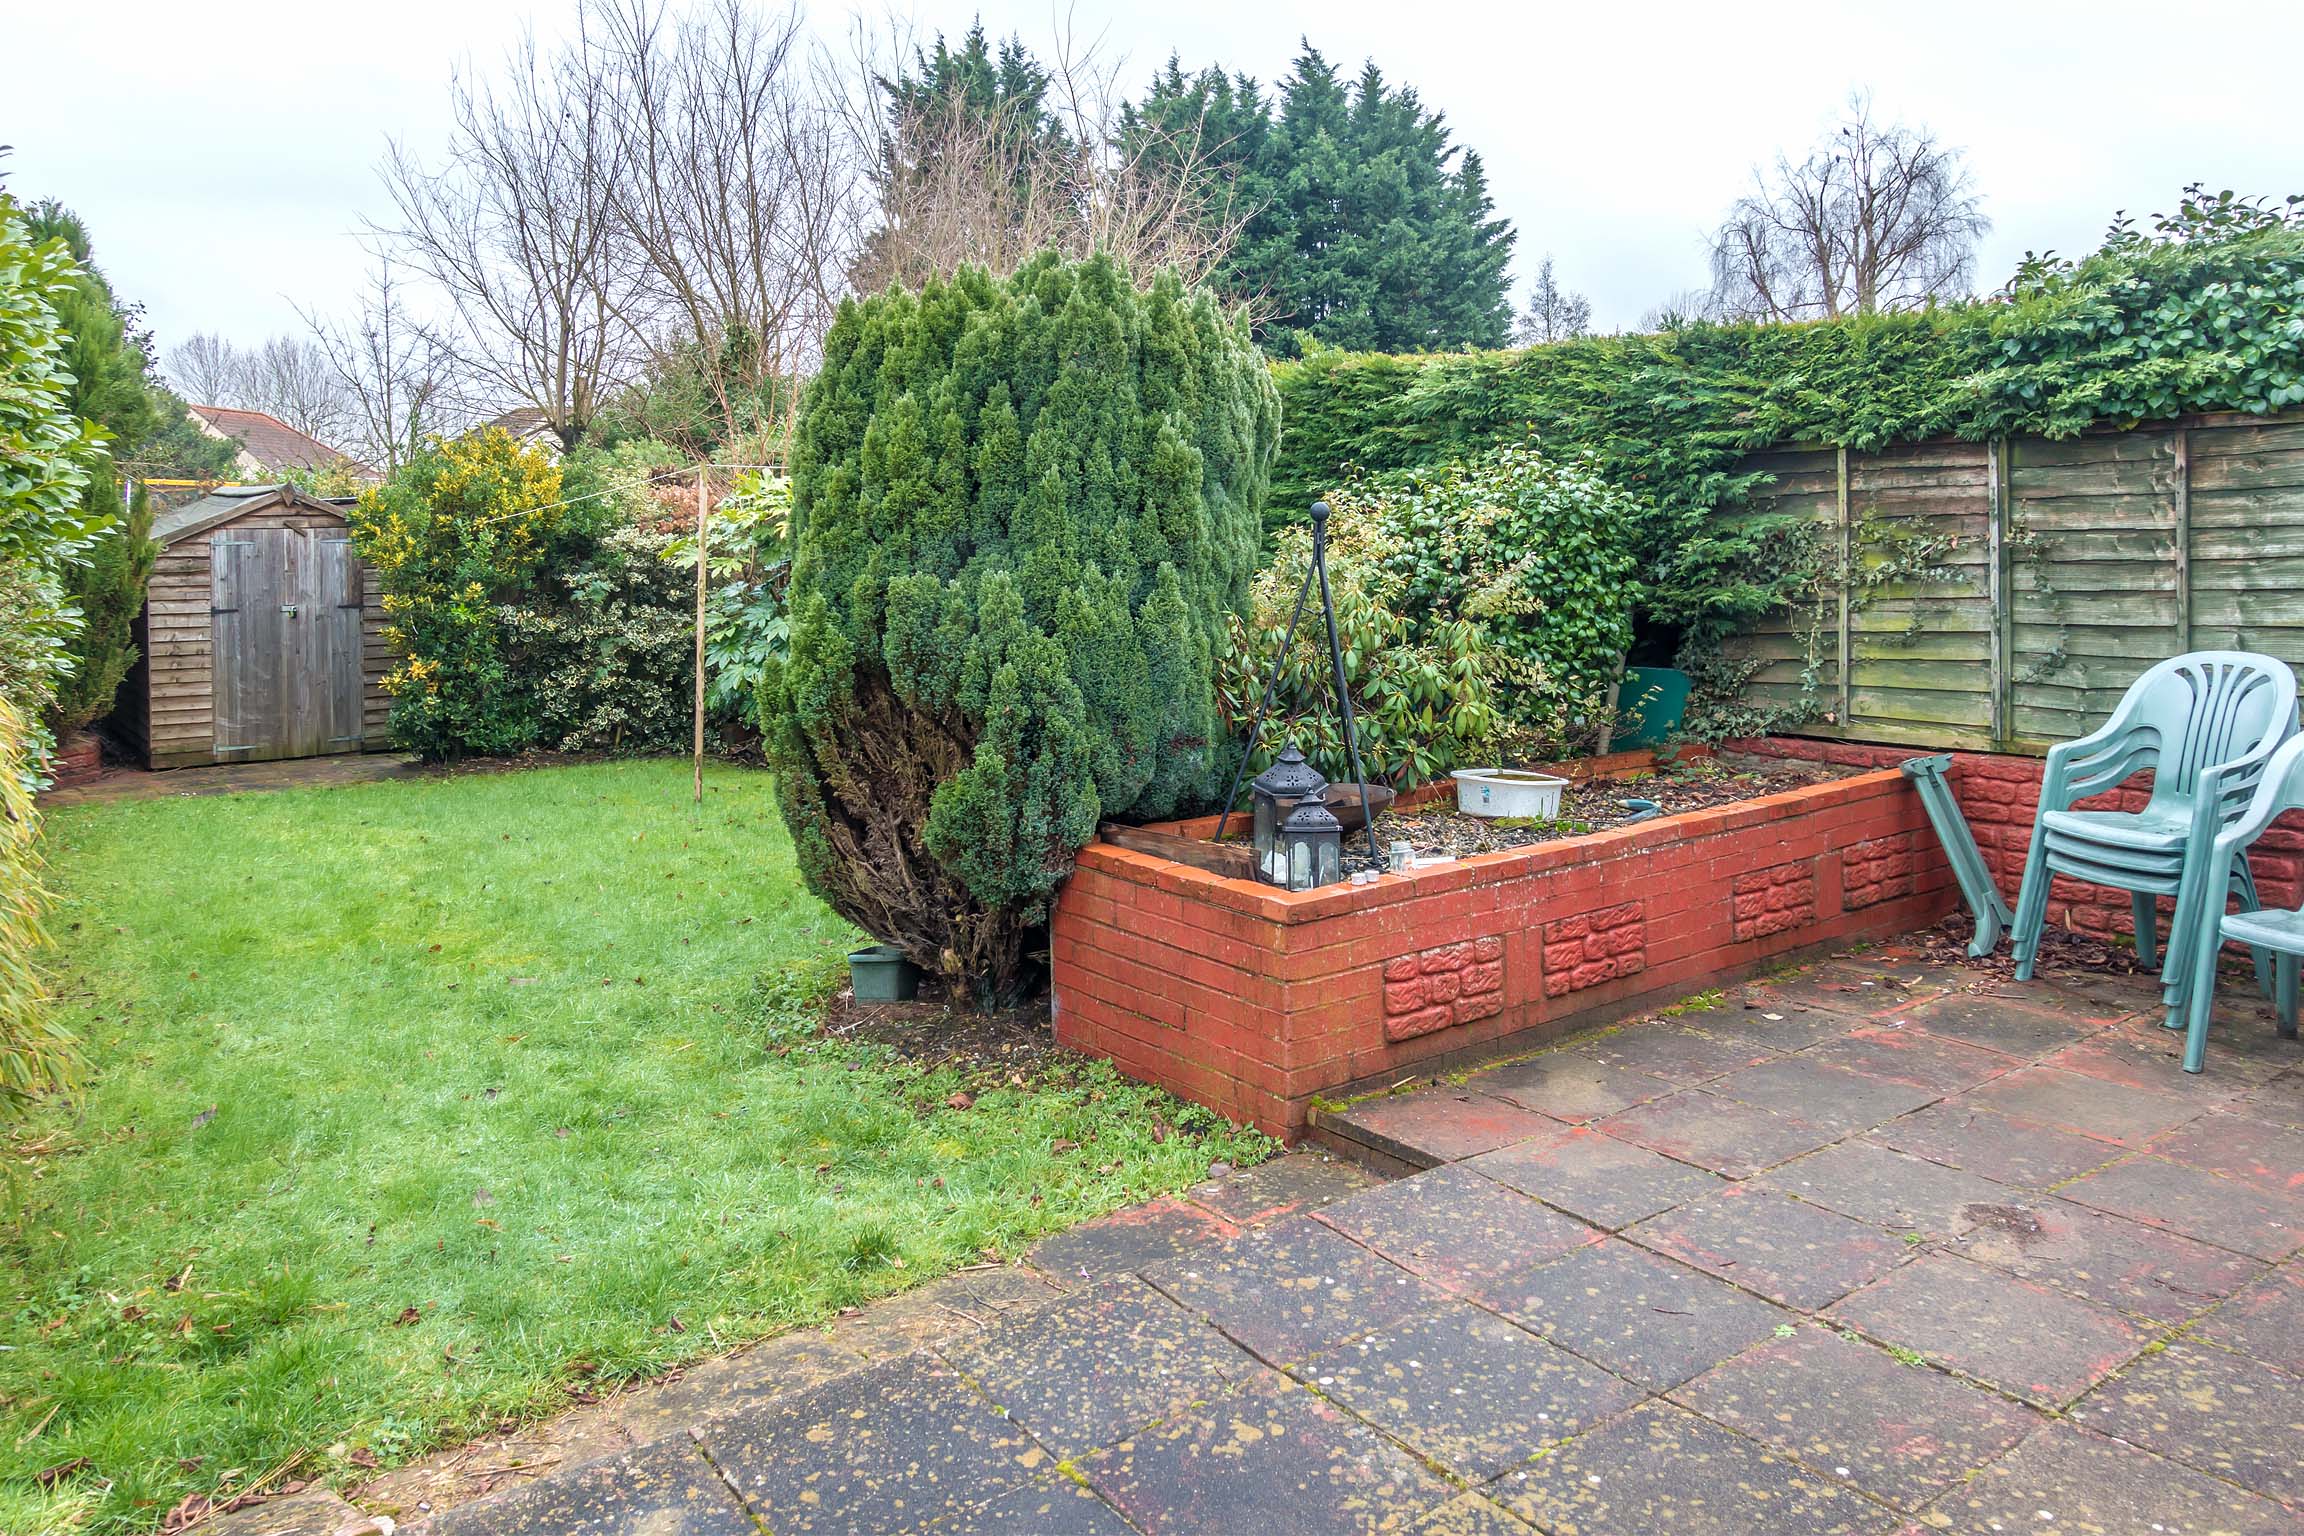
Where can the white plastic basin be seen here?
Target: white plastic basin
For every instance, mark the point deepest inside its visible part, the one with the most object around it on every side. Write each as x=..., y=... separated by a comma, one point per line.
x=1495, y=792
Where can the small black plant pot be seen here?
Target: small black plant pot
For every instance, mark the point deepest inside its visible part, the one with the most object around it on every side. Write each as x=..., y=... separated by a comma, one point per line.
x=881, y=974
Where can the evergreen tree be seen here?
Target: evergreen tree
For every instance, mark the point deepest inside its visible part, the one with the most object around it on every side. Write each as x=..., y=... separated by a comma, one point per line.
x=989, y=80
x=114, y=384
x=1371, y=231
x=1024, y=509
x=108, y=590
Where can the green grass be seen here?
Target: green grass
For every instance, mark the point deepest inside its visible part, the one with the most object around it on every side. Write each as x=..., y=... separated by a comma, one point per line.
x=417, y=1102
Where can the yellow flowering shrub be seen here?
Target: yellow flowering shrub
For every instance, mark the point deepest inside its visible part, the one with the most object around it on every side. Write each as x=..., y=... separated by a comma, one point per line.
x=455, y=540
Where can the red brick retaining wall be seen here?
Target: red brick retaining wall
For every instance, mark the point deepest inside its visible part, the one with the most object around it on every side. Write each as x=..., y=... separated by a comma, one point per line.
x=2000, y=795
x=1253, y=1000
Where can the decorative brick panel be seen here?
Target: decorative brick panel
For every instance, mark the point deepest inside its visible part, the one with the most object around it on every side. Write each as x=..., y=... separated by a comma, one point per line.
x=1774, y=900
x=1999, y=794
x=1448, y=984
x=1593, y=947
x=1880, y=869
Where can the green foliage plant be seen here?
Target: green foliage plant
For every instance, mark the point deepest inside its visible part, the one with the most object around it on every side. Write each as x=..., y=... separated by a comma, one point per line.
x=1423, y=697
x=1538, y=552
x=37, y=1055
x=745, y=626
x=46, y=453
x=456, y=540
x=1023, y=509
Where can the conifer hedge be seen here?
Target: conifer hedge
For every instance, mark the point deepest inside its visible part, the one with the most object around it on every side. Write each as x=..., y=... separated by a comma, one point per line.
x=1023, y=511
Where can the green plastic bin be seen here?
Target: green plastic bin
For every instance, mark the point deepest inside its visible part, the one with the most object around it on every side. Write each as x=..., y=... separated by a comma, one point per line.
x=1653, y=699
x=881, y=974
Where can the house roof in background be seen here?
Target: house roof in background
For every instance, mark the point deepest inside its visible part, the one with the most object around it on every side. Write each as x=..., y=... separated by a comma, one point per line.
x=227, y=502
x=271, y=442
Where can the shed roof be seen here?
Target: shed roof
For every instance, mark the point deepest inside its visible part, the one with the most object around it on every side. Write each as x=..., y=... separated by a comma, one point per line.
x=227, y=502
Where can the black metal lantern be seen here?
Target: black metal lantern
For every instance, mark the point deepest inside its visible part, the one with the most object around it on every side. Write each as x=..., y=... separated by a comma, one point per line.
x=1276, y=792
x=1312, y=842
x=1274, y=817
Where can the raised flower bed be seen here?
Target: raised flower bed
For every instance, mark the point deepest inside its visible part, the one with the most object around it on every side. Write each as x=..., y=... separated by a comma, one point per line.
x=1254, y=1001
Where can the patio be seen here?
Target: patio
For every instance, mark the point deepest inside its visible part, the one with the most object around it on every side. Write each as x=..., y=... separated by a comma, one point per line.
x=1884, y=1246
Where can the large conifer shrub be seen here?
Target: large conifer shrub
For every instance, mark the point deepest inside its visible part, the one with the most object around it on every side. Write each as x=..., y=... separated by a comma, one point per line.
x=1023, y=512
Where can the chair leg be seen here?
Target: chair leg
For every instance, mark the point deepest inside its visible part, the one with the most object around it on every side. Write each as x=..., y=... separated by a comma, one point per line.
x=2200, y=996
x=2192, y=908
x=2031, y=907
x=2286, y=1001
x=2244, y=887
x=2147, y=910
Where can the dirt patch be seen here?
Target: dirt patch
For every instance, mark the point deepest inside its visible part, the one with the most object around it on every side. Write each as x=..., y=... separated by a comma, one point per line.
x=2012, y=1221
x=932, y=1031
x=1438, y=828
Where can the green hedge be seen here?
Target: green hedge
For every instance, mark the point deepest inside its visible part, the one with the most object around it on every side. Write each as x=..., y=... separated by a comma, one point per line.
x=2204, y=313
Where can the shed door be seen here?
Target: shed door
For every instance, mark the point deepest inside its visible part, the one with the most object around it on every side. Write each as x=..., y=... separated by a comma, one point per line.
x=286, y=627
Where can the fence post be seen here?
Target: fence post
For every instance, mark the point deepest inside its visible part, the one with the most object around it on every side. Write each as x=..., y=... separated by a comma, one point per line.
x=2183, y=540
x=1847, y=577
x=1998, y=588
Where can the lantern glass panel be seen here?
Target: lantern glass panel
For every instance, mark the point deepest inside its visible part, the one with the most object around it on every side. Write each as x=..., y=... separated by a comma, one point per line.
x=1311, y=842
x=1275, y=794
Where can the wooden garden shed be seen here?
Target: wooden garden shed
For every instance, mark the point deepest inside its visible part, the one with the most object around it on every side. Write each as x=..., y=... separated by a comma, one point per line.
x=259, y=638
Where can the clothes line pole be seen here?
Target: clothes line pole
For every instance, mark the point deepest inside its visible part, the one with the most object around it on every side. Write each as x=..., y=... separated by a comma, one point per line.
x=701, y=570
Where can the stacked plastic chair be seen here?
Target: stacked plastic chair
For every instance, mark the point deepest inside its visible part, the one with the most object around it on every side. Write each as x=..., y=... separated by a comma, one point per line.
x=2279, y=933
x=2206, y=724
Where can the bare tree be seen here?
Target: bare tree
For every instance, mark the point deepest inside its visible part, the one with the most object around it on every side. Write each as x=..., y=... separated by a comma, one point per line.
x=735, y=186
x=289, y=377
x=206, y=369
x=518, y=229
x=960, y=183
x=1553, y=313
x=396, y=379
x=1877, y=217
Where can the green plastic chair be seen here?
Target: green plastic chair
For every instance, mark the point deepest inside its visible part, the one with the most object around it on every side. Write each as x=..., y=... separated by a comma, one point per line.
x=2277, y=932
x=2205, y=724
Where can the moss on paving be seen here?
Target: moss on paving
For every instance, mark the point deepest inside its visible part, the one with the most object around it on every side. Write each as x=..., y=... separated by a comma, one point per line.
x=421, y=1104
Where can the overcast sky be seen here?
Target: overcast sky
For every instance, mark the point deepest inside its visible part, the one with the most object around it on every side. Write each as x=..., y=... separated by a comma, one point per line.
x=224, y=155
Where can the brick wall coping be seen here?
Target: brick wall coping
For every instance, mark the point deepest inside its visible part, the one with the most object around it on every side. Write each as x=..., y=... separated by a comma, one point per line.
x=1271, y=904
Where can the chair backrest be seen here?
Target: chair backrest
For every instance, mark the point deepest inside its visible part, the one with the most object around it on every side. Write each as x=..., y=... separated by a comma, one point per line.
x=2282, y=787
x=2209, y=707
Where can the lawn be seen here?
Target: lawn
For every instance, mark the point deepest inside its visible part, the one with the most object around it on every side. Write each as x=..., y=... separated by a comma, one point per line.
x=418, y=1102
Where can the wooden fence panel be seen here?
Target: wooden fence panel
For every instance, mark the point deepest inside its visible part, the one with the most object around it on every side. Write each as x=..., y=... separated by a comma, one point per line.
x=1807, y=486
x=2004, y=594
x=2247, y=565
x=1920, y=602
x=2093, y=574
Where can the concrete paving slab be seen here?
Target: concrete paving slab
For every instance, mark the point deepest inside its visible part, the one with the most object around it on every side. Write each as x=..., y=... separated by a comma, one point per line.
x=1289, y=1290
x=1467, y=1390
x=1660, y=1468
x=1796, y=1254
x=1594, y=1176
x=2025, y=1339
x=1900, y=1432
x=1647, y=1318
